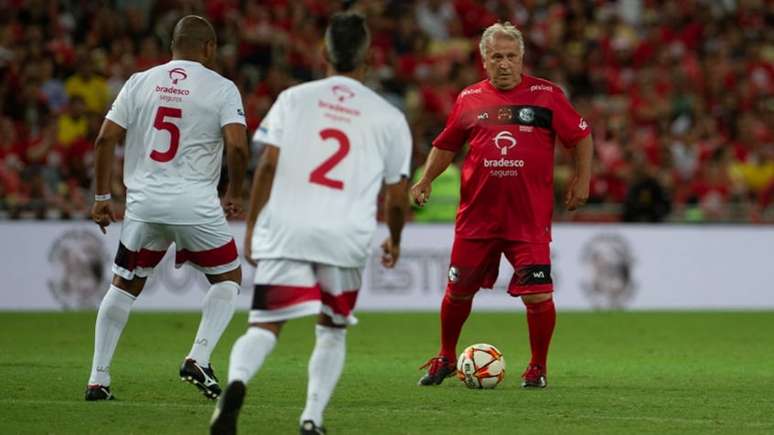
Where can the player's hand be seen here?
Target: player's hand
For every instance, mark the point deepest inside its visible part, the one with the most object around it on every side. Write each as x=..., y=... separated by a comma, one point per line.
x=420, y=192
x=577, y=193
x=247, y=248
x=232, y=206
x=390, y=253
x=102, y=214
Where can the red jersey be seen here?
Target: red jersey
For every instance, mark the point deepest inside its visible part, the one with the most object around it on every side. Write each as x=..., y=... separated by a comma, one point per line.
x=508, y=174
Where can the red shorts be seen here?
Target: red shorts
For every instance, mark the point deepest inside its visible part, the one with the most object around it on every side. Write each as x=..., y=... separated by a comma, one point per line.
x=475, y=264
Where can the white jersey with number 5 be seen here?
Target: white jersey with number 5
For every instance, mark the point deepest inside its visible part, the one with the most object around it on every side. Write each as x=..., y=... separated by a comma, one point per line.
x=173, y=115
x=338, y=142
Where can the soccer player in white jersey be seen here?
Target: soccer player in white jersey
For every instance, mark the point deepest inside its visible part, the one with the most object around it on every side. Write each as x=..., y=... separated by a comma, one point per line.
x=173, y=120
x=330, y=145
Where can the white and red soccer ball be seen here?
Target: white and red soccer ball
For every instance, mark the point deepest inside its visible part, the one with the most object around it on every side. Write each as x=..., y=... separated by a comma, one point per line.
x=481, y=366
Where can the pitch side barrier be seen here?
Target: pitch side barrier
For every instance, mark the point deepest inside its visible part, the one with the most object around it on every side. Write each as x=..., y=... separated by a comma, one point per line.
x=66, y=265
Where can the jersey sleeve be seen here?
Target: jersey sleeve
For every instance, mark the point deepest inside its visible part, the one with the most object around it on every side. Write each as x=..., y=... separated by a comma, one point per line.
x=121, y=110
x=273, y=124
x=454, y=135
x=567, y=123
x=398, y=151
x=232, y=111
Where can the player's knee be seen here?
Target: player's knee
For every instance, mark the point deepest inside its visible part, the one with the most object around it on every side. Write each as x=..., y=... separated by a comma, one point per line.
x=273, y=327
x=132, y=286
x=536, y=298
x=456, y=296
x=232, y=275
x=326, y=320
x=226, y=290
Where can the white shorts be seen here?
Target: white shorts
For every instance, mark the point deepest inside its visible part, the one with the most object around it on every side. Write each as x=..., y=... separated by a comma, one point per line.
x=286, y=289
x=208, y=247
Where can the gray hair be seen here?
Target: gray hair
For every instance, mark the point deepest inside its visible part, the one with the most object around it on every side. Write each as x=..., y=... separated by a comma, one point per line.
x=505, y=28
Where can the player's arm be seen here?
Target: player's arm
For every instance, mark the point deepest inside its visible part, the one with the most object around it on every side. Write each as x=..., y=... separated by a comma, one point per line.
x=263, y=180
x=395, y=209
x=578, y=189
x=437, y=162
x=235, y=139
x=109, y=135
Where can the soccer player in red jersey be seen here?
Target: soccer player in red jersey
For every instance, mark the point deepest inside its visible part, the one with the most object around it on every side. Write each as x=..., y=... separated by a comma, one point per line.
x=511, y=121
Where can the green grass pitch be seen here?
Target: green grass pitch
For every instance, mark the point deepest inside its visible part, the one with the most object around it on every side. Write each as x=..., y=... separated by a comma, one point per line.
x=616, y=373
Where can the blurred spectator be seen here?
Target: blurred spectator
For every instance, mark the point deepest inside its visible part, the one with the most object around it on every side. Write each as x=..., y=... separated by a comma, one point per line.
x=685, y=85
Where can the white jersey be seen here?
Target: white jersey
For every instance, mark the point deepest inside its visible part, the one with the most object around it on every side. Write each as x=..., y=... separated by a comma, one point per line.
x=173, y=115
x=338, y=142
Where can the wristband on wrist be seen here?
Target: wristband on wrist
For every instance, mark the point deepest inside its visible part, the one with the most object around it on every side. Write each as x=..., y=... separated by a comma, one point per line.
x=104, y=197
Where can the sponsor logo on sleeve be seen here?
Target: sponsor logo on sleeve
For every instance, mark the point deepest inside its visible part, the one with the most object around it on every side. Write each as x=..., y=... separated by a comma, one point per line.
x=470, y=91
x=534, y=88
x=240, y=112
x=583, y=124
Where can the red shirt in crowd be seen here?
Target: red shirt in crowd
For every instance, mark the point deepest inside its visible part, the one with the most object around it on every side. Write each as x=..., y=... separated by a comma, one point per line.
x=507, y=177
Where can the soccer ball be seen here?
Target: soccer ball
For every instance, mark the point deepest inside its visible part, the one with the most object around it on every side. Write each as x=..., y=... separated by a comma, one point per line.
x=481, y=366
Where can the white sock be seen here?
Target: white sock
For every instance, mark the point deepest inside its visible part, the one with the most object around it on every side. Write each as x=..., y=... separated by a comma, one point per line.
x=325, y=367
x=218, y=308
x=249, y=352
x=111, y=320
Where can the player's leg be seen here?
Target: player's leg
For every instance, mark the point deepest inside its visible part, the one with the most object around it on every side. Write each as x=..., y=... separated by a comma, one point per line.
x=339, y=288
x=211, y=249
x=284, y=289
x=474, y=264
x=140, y=249
x=532, y=281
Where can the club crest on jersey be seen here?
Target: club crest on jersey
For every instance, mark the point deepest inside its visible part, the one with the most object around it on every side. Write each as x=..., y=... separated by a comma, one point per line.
x=454, y=274
x=177, y=74
x=504, y=114
x=342, y=93
x=504, y=141
x=527, y=114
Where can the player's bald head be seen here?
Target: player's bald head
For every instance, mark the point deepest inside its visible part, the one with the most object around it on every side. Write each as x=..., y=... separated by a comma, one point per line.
x=192, y=33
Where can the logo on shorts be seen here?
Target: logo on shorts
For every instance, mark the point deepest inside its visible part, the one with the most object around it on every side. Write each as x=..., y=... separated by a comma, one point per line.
x=177, y=74
x=454, y=274
x=81, y=269
x=608, y=280
x=527, y=115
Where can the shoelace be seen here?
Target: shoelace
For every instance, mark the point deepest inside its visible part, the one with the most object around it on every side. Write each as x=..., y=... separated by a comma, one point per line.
x=435, y=363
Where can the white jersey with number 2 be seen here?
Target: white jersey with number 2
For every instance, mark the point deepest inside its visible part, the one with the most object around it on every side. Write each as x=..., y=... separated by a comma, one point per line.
x=173, y=115
x=339, y=141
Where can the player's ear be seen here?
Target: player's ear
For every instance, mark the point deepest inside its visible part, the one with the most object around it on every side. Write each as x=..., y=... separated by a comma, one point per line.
x=324, y=52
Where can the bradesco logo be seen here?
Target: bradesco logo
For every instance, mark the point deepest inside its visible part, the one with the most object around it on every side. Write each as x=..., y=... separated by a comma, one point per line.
x=504, y=141
x=177, y=74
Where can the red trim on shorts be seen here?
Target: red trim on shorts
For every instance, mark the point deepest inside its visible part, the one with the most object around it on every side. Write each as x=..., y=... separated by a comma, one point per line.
x=219, y=256
x=341, y=304
x=274, y=297
x=520, y=290
x=130, y=260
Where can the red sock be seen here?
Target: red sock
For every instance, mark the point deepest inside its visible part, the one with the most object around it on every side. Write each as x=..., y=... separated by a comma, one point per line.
x=541, y=318
x=454, y=312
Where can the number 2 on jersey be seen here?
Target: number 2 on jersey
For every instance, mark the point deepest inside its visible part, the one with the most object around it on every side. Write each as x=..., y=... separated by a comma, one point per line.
x=174, y=133
x=320, y=174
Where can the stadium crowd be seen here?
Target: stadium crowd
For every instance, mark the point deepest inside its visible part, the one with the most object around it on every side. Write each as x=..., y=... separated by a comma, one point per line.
x=679, y=93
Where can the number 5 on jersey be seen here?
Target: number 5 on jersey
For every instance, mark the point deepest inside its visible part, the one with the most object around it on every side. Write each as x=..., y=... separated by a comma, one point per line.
x=174, y=133
x=320, y=174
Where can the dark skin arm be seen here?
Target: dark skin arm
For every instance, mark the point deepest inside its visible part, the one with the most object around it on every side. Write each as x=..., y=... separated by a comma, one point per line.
x=263, y=180
x=235, y=140
x=437, y=162
x=395, y=209
x=109, y=135
x=578, y=189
